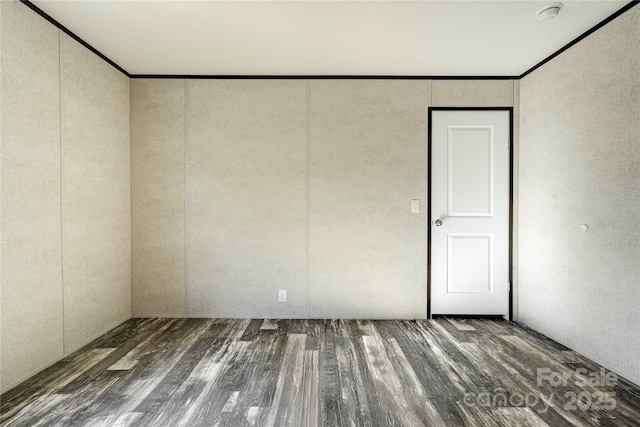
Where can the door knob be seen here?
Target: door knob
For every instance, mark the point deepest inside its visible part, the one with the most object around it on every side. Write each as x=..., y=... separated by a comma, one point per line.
x=437, y=222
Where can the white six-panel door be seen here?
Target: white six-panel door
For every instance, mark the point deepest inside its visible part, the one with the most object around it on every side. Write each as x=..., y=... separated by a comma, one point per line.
x=470, y=212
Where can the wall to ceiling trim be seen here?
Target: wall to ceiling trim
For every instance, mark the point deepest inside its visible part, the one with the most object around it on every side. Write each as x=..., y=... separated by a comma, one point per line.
x=73, y=36
x=323, y=77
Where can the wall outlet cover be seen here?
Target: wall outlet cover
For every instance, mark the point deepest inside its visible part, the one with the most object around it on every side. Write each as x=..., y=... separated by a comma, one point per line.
x=282, y=295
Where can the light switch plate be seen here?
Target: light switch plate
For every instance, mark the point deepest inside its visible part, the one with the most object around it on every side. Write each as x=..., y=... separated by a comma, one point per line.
x=415, y=205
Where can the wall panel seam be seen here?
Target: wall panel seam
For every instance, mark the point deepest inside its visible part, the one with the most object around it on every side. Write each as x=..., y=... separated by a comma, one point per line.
x=130, y=204
x=431, y=93
x=308, y=207
x=515, y=295
x=64, y=340
x=184, y=194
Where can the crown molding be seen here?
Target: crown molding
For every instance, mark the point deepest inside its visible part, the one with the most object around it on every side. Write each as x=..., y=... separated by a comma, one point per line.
x=70, y=33
x=580, y=37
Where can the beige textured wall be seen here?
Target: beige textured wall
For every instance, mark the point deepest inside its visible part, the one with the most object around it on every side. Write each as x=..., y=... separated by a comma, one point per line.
x=31, y=254
x=246, y=197
x=296, y=185
x=96, y=202
x=580, y=164
x=157, y=197
x=368, y=157
x=65, y=195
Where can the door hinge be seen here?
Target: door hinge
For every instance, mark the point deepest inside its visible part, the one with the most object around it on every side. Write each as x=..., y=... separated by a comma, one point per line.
x=509, y=143
x=508, y=287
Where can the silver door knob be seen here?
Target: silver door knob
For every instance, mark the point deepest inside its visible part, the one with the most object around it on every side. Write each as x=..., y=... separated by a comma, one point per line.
x=437, y=223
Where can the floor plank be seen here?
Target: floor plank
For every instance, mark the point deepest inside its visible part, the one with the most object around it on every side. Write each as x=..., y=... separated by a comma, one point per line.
x=308, y=373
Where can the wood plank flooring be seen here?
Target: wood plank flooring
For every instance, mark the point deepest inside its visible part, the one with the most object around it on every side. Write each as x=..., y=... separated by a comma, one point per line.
x=231, y=372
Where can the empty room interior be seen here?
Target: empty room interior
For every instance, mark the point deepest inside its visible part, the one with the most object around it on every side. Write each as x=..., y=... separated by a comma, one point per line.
x=291, y=213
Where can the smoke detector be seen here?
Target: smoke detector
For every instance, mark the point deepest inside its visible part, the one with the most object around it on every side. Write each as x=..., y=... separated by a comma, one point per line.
x=550, y=11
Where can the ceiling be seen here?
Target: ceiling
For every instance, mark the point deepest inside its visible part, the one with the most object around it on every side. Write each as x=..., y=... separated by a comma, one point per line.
x=372, y=38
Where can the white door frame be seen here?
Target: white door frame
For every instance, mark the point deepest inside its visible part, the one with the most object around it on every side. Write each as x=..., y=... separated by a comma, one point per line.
x=429, y=193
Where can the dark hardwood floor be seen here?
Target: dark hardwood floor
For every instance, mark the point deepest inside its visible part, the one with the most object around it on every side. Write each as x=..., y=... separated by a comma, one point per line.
x=222, y=372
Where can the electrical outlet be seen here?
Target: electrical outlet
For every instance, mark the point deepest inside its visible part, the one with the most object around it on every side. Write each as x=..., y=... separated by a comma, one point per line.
x=282, y=295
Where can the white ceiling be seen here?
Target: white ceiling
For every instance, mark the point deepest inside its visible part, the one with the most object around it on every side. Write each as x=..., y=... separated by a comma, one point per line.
x=406, y=38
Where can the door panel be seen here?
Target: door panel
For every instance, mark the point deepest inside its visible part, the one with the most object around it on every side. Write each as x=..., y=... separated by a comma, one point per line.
x=470, y=171
x=470, y=212
x=469, y=267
